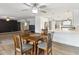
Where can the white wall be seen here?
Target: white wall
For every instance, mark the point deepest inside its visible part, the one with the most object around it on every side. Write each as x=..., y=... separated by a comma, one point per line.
x=31, y=20
x=76, y=17
x=43, y=20
x=62, y=14
x=37, y=24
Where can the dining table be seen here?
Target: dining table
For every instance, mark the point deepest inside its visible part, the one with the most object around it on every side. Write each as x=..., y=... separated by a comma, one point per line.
x=33, y=37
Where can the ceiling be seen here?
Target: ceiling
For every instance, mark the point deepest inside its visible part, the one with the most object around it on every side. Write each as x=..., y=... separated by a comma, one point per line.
x=15, y=10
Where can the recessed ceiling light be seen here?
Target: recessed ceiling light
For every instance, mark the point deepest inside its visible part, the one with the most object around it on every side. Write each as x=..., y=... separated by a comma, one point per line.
x=7, y=19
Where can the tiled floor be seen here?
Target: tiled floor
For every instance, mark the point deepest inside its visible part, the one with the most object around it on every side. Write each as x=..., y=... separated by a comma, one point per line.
x=6, y=47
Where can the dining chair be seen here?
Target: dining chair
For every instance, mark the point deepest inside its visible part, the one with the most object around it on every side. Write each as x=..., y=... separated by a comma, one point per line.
x=45, y=45
x=24, y=34
x=20, y=47
x=44, y=32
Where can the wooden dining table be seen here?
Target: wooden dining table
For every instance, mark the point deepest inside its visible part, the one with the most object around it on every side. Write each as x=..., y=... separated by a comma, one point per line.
x=33, y=37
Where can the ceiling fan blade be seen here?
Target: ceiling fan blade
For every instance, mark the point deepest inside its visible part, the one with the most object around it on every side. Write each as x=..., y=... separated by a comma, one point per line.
x=43, y=11
x=27, y=4
x=42, y=6
x=24, y=10
x=35, y=4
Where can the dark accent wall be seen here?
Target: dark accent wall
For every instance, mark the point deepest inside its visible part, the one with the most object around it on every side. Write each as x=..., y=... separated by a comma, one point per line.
x=9, y=26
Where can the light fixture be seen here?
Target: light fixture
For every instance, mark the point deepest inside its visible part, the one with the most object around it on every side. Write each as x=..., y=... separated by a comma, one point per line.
x=35, y=10
x=25, y=24
x=7, y=19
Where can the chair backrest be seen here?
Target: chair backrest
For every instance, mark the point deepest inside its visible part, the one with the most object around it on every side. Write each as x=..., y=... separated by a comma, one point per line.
x=17, y=41
x=44, y=31
x=49, y=40
x=25, y=33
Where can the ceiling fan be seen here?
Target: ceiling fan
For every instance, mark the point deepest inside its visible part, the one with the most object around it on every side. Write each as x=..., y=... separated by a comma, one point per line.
x=36, y=7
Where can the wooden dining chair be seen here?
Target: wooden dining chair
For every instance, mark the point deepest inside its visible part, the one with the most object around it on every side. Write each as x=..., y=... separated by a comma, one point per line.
x=45, y=45
x=44, y=32
x=24, y=34
x=20, y=47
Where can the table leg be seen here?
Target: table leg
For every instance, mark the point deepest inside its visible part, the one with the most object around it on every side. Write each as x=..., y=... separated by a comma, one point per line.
x=34, y=48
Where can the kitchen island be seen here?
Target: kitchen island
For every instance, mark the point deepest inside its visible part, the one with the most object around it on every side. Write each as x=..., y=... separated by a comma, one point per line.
x=67, y=37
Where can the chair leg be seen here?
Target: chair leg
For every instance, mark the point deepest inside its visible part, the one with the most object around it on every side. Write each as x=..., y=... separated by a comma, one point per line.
x=15, y=52
x=51, y=51
x=37, y=51
x=31, y=51
x=21, y=53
